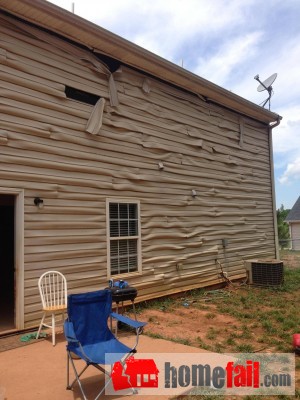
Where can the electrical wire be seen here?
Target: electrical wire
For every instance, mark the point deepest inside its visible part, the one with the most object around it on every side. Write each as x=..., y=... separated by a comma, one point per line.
x=227, y=280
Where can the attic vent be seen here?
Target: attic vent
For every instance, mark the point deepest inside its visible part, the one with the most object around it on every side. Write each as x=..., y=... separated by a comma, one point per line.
x=265, y=272
x=80, y=95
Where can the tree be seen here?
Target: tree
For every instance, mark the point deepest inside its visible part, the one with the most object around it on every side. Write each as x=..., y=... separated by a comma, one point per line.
x=283, y=227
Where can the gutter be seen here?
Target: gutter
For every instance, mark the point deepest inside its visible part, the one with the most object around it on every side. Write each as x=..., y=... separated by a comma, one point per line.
x=271, y=127
x=276, y=123
x=99, y=40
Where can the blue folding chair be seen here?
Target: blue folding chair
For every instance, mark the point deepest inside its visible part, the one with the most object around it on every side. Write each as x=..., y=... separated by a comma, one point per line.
x=90, y=338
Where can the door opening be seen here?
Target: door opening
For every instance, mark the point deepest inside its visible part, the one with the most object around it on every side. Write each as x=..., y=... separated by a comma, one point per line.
x=7, y=263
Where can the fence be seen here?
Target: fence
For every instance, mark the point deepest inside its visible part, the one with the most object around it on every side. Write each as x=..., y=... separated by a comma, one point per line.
x=291, y=244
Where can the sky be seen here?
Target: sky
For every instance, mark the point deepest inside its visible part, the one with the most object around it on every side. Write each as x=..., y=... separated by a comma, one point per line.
x=227, y=42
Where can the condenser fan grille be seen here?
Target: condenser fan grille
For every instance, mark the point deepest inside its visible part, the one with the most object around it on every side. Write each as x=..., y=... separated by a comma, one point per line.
x=267, y=274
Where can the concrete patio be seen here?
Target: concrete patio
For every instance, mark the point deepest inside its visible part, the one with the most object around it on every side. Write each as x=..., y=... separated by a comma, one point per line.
x=38, y=371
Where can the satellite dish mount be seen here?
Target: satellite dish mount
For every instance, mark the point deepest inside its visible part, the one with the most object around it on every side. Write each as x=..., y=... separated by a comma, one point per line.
x=266, y=85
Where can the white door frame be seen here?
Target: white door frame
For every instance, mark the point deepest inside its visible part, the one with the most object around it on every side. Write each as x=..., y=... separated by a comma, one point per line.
x=19, y=253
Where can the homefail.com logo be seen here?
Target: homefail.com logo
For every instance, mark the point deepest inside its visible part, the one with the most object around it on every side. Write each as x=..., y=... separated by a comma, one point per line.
x=199, y=375
x=140, y=373
x=226, y=374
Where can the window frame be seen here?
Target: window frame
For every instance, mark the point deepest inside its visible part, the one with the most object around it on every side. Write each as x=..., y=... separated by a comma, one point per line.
x=109, y=238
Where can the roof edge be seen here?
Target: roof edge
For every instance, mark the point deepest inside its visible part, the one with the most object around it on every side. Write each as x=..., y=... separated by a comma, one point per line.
x=98, y=39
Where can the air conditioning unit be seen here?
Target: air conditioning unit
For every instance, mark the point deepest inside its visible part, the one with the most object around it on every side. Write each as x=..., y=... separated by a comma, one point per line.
x=265, y=272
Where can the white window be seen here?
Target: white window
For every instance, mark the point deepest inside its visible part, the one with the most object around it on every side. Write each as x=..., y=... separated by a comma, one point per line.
x=124, y=253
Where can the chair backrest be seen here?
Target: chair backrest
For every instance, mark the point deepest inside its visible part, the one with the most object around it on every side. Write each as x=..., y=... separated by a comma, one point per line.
x=53, y=289
x=89, y=314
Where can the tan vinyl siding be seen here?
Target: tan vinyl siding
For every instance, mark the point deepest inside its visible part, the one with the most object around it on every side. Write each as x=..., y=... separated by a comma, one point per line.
x=46, y=151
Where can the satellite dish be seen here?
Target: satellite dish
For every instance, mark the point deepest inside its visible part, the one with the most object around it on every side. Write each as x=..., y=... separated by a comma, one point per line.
x=266, y=85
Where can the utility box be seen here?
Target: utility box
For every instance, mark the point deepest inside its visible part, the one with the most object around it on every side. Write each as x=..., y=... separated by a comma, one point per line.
x=265, y=272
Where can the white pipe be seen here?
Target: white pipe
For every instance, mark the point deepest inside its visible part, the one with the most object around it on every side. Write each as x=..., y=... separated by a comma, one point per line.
x=271, y=127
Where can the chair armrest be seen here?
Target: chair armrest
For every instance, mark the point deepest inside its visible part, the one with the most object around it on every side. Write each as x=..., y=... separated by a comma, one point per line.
x=69, y=332
x=128, y=321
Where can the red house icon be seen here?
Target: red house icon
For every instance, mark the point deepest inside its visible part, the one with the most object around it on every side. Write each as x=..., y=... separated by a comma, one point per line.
x=135, y=374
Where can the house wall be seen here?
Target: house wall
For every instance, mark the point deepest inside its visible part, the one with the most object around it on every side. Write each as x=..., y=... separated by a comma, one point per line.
x=295, y=235
x=46, y=151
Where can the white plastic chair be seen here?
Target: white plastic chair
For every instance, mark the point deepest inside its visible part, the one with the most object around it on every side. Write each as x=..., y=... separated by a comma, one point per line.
x=53, y=291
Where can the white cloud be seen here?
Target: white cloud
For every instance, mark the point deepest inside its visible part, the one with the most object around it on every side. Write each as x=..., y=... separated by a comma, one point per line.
x=286, y=145
x=227, y=42
x=286, y=137
x=218, y=67
x=291, y=173
x=163, y=27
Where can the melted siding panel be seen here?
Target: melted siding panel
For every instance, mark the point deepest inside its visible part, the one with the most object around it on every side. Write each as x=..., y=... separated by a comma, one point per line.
x=45, y=150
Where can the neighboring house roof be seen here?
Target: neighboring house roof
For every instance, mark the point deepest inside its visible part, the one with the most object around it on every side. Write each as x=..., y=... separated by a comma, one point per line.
x=294, y=214
x=99, y=40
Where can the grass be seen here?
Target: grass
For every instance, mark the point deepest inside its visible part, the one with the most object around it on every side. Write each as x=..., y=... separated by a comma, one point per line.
x=165, y=304
x=276, y=314
x=180, y=340
x=212, y=334
x=266, y=317
x=203, y=345
x=210, y=316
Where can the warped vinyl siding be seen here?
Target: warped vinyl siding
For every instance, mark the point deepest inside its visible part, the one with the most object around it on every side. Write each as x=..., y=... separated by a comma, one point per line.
x=46, y=151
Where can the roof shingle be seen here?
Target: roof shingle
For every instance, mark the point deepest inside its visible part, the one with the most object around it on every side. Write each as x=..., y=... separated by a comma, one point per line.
x=294, y=214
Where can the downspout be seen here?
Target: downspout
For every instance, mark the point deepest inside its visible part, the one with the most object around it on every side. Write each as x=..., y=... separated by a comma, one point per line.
x=271, y=127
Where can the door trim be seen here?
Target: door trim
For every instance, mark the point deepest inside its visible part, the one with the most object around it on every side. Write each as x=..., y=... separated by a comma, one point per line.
x=19, y=253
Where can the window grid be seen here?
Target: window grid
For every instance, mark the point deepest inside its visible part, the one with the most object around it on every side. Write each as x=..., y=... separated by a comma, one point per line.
x=124, y=237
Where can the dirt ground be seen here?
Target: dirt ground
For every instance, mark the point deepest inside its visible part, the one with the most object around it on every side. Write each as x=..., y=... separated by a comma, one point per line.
x=199, y=323
x=205, y=328
x=291, y=259
x=185, y=323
